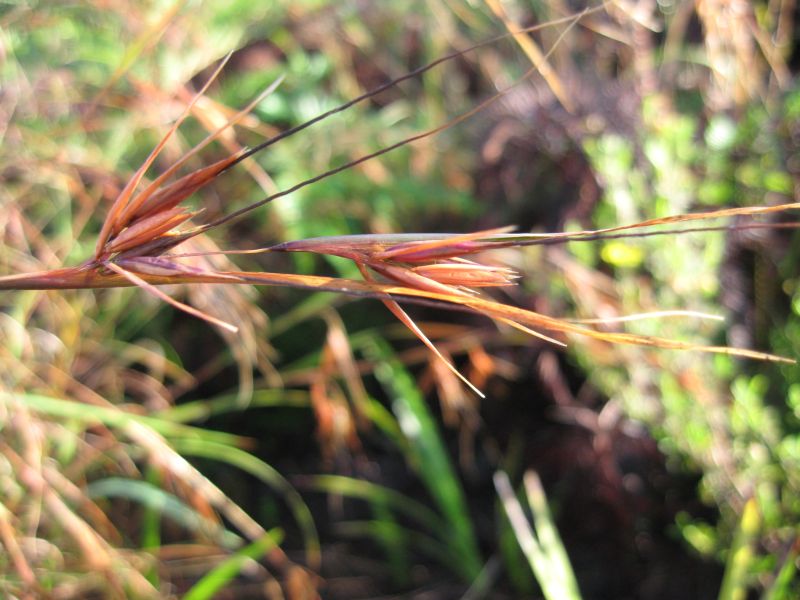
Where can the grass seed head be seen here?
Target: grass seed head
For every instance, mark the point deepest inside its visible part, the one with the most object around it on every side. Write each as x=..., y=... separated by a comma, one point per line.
x=148, y=229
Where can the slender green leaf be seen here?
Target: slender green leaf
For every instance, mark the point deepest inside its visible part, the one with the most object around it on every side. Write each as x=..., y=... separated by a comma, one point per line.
x=115, y=417
x=199, y=410
x=258, y=468
x=216, y=579
x=165, y=503
x=549, y=539
x=377, y=494
x=741, y=554
x=392, y=534
x=781, y=587
x=548, y=560
x=428, y=455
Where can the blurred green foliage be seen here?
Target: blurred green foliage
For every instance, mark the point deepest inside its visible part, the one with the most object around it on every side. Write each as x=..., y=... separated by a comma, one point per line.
x=742, y=436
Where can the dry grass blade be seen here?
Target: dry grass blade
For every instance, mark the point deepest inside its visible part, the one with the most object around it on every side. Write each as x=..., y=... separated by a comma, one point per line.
x=409, y=322
x=493, y=310
x=147, y=38
x=77, y=278
x=139, y=282
x=9, y=537
x=96, y=554
x=339, y=344
x=535, y=55
x=660, y=314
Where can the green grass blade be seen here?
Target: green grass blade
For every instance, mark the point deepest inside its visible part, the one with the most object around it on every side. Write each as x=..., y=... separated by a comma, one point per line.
x=313, y=306
x=385, y=421
x=428, y=455
x=258, y=468
x=150, y=496
x=551, y=569
x=216, y=579
x=115, y=417
x=515, y=562
x=781, y=587
x=741, y=554
x=199, y=410
x=389, y=533
x=549, y=539
x=377, y=494
x=151, y=525
x=485, y=581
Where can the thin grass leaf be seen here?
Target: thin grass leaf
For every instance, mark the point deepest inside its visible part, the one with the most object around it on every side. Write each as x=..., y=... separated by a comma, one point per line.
x=391, y=535
x=741, y=554
x=546, y=555
x=428, y=455
x=139, y=282
x=781, y=586
x=151, y=524
x=146, y=39
x=200, y=410
x=536, y=56
x=409, y=322
x=523, y=532
x=168, y=505
x=660, y=314
x=393, y=538
x=495, y=310
x=549, y=539
x=261, y=470
x=112, y=417
x=374, y=493
x=485, y=581
x=9, y=537
x=221, y=575
x=314, y=305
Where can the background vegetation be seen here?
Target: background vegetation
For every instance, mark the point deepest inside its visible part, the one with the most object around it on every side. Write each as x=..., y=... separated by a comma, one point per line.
x=147, y=454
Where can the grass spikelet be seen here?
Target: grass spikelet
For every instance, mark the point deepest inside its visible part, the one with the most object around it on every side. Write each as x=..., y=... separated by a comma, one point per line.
x=398, y=312
x=117, y=217
x=148, y=229
x=467, y=274
x=172, y=195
